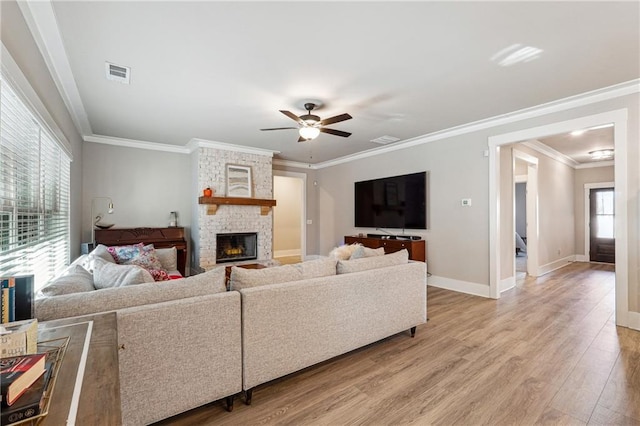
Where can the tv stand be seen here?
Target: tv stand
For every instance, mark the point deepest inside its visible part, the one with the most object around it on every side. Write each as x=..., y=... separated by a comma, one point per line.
x=416, y=248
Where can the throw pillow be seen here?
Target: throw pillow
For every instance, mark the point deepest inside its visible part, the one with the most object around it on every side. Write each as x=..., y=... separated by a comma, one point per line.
x=106, y=275
x=168, y=258
x=317, y=268
x=374, y=262
x=75, y=280
x=245, y=278
x=123, y=253
x=101, y=252
x=344, y=251
x=141, y=255
x=363, y=251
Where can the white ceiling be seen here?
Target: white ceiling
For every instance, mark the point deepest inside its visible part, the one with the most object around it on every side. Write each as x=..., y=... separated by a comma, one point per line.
x=220, y=71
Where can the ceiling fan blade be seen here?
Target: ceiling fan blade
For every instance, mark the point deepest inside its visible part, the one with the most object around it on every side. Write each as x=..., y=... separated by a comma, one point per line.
x=280, y=128
x=336, y=119
x=292, y=116
x=335, y=132
x=301, y=139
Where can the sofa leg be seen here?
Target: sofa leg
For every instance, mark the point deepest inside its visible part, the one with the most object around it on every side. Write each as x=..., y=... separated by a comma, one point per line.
x=229, y=403
x=413, y=331
x=248, y=394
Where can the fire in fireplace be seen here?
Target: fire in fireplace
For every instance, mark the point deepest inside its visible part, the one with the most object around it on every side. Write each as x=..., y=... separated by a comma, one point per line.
x=236, y=246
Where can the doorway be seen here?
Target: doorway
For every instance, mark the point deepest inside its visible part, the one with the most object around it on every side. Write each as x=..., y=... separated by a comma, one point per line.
x=619, y=120
x=289, y=214
x=601, y=225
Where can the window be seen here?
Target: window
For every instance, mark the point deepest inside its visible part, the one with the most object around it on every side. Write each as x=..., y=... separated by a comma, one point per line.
x=605, y=214
x=34, y=193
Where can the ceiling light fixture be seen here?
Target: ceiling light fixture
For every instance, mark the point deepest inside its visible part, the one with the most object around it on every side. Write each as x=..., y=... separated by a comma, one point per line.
x=309, y=132
x=601, y=154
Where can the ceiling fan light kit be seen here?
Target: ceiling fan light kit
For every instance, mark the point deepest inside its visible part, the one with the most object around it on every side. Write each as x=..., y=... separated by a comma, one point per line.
x=311, y=125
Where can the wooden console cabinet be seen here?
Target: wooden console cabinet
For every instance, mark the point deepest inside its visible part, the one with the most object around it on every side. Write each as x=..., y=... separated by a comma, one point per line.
x=416, y=248
x=159, y=237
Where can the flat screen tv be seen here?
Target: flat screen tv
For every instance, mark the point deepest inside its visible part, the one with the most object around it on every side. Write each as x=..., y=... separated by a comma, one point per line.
x=392, y=202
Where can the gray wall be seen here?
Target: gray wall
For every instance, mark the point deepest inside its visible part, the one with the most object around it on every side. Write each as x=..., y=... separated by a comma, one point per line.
x=18, y=40
x=521, y=209
x=144, y=186
x=458, y=238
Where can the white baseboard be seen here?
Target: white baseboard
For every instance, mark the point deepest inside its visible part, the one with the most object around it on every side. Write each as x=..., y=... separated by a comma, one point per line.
x=556, y=264
x=283, y=253
x=582, y=258
x=507, y=284
x=459, y=286
x=634, y=320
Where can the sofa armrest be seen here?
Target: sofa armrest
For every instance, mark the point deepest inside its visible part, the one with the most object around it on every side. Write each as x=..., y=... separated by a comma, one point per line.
x=175, y=356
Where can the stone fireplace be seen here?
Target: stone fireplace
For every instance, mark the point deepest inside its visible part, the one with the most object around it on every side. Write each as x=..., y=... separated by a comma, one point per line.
x=236, y=246
x=210, y=161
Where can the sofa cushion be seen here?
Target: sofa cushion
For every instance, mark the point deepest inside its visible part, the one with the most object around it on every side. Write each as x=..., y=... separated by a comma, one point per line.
x=245, y=278
x=374, y=262
x=100, y=252
x=106, y=275
x=317, y=268
x=363, y=251
x=75, y=279
x=70, y=305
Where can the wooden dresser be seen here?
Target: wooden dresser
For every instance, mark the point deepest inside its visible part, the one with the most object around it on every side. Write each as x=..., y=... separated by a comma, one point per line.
x=159, y=237
x=416, y=248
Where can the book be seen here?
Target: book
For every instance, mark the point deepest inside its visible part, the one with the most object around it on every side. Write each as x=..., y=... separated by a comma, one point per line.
x=31, y=403
x=24, y=297
x=19, y=338
x=17, y=374
x=5, y=305
x=8, y=285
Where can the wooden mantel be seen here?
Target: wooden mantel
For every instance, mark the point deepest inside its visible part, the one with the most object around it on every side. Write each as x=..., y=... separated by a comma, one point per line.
x=213, y=203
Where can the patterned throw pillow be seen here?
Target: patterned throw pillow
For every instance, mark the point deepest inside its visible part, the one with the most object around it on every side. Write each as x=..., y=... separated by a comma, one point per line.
x=140, y=255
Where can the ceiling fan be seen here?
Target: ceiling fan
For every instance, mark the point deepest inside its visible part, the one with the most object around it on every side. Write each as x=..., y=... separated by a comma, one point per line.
x=310, y=125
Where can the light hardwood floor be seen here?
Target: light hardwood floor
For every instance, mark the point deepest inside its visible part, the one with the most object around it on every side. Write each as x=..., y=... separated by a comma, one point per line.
x=547, y=352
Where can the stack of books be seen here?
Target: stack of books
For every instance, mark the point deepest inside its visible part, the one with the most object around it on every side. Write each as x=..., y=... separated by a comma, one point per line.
x=24, y=380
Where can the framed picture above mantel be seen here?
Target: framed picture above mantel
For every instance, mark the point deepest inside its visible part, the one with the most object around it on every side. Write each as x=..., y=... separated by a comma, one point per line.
x=238, y=181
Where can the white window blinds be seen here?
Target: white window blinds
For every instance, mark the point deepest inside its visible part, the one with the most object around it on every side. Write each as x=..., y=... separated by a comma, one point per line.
x=34, y=194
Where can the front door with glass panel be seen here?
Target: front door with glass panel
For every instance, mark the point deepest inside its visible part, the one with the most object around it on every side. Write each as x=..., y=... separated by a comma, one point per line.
x=602, y=225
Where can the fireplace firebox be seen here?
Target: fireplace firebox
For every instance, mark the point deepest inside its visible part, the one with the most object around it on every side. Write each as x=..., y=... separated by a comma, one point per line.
x=236, y=246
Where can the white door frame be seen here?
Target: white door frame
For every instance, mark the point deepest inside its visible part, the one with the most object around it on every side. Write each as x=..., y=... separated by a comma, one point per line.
x=587, y=216
x=619, y=119
x=303, y=219
x=532, y=212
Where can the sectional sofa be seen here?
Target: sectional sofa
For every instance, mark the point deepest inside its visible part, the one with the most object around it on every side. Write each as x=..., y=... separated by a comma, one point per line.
x=187, y=342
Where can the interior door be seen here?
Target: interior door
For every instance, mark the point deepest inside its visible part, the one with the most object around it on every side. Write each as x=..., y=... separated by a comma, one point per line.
x=602, y=225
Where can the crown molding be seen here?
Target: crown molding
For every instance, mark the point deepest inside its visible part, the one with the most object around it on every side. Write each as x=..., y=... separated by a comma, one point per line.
x=131, y=143
x=540, y=147
x=196, y=143
x=294, y=164
x=41, y=20
x=595, y=164
x=587, y=98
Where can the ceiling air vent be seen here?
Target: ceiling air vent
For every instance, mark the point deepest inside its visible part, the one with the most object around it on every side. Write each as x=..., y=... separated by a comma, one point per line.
x=383, y=140
x=118, y=73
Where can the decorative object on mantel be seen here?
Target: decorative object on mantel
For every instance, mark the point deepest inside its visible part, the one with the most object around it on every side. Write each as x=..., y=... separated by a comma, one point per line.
x=96, y=220
x=213, y=203
x=173, y=219
x=238, y=181
x=207, y=192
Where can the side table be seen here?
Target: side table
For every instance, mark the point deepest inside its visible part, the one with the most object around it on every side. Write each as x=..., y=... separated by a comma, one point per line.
x=87, y=389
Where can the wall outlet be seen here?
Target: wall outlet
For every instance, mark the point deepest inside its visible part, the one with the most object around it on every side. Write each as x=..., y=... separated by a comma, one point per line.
x=309, y=222
x=465, y=202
